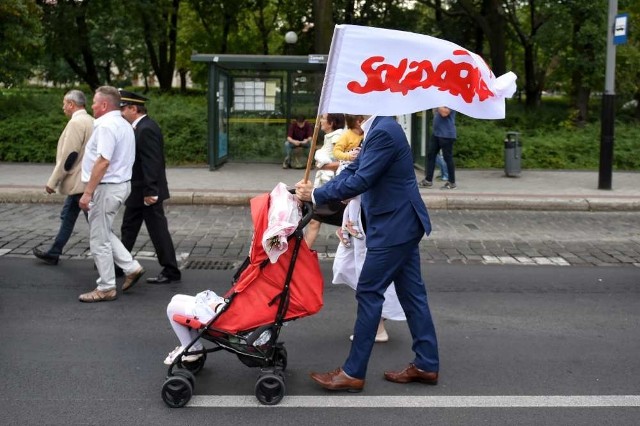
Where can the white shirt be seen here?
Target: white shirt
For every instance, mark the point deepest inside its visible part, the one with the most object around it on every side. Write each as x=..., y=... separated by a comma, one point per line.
x=366, y=126
x=137, y=120
x=112, y=139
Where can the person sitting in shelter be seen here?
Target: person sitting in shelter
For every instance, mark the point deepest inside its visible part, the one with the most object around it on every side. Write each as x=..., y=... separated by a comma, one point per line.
x=299, y=135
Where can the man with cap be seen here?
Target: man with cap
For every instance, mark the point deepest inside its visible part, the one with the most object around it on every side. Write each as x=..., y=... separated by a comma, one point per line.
x=148, y=188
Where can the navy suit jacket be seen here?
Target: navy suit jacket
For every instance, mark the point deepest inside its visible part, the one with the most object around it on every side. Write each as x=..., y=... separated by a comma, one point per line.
x=148, y=177
x=383, y=173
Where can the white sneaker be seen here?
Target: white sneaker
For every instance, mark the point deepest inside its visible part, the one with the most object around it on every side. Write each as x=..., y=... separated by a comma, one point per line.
x=177, y=351
x=172, y=355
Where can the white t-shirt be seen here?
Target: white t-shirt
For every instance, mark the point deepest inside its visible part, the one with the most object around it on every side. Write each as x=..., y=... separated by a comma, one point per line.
x=112, y=139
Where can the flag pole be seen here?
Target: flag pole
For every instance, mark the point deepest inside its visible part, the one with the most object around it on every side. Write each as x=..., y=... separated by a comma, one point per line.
x=327, y=81
x=312, y=149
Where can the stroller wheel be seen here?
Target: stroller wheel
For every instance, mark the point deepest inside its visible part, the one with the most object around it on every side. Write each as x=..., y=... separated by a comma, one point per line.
x=280, y=358
x=187, y=375
x=194, y=366
x=270, y=389
x=176, y=391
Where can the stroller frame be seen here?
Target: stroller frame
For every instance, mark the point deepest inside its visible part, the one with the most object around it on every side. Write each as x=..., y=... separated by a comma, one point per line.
x=249, y=345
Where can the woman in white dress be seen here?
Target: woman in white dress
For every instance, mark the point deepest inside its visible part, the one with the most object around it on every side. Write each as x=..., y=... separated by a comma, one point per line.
x=347, y=266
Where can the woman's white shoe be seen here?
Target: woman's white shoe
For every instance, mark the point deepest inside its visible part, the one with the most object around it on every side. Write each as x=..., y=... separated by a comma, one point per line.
x=381, y=337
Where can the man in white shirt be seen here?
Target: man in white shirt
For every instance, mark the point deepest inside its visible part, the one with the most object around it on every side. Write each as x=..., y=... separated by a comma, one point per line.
x=106, y=170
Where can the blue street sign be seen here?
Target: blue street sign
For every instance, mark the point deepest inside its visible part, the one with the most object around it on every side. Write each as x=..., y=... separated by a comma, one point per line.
x=621, y=29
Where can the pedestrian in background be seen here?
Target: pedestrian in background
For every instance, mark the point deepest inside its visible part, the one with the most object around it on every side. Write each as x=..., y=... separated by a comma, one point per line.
x=333, y=126
x=443, y=137
x=397, y=219
x=67, y=171
x=299, y=135
x=106, y=169
x=149, y=189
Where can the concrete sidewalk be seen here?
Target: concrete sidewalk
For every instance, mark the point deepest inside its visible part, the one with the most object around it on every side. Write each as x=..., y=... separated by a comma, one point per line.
x=236, y=183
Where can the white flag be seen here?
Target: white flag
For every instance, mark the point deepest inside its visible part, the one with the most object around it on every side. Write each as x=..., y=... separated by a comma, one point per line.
x=375, y=71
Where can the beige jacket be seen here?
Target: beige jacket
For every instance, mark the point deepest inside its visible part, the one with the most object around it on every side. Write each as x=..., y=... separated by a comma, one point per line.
x=74, y=137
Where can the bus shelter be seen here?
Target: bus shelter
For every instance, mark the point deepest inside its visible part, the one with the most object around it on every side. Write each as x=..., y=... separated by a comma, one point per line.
x=251, y=100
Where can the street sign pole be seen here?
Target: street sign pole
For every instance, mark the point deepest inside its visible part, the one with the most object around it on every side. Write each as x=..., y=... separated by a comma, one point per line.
x=608, y=105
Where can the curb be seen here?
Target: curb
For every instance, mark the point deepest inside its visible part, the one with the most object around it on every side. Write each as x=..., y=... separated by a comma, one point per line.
x=457, y=201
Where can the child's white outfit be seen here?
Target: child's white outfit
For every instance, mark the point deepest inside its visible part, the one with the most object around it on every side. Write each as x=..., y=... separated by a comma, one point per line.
x=204, y=306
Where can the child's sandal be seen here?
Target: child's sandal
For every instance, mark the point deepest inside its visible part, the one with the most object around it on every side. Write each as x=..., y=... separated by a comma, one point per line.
x=343, y=240
x=353, y=231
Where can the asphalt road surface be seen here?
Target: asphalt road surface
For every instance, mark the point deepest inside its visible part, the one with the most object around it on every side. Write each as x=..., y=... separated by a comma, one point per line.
x=525, y=345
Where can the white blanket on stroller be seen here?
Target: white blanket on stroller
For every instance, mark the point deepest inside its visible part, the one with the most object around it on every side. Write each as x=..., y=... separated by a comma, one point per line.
x=284, y=216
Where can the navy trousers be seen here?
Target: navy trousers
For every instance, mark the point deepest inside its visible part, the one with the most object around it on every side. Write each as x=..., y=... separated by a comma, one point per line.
x=400, y=264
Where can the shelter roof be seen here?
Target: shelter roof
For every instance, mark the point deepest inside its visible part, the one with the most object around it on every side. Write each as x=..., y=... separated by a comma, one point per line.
x=264, y=62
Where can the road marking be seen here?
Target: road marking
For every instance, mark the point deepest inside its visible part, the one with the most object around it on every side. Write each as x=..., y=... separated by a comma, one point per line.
x=524, y=260
x=352, y=401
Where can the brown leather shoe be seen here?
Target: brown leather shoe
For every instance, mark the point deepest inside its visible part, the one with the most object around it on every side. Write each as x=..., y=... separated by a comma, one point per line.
x=132, y=279
x=338, y=380
x=98, y=296
x=412, y=374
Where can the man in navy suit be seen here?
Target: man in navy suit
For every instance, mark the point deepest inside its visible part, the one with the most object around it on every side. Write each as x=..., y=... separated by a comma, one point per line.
x=396, y=220
x=148, y=189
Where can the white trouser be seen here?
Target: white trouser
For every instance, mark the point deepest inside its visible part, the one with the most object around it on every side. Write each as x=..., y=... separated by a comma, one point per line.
x=105, y=246
x=185, y=305
x=204, y=306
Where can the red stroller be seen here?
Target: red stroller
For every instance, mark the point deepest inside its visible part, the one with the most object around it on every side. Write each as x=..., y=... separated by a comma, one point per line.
x=262, y=298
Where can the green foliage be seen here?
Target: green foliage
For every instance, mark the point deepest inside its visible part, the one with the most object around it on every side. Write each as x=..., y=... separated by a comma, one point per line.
x=258, y=142
x=31, y=121
x=20, y=41
x=549, y=140
x=30, y=124
x=183, y=120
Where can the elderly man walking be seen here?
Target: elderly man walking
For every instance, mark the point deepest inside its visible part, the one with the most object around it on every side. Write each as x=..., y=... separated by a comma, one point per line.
x=66, y=173
x=106, y=169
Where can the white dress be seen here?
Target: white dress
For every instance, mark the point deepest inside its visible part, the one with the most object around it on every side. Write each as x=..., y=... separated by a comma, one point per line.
x=348, y=263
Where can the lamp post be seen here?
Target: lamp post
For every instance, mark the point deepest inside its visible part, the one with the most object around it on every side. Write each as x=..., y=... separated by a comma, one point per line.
x=290, y=38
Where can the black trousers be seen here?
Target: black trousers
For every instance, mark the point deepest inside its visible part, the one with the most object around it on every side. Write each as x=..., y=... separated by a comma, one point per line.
x=156, y=223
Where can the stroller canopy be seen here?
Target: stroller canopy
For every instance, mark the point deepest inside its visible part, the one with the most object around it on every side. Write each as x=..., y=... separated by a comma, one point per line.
x=259, y=287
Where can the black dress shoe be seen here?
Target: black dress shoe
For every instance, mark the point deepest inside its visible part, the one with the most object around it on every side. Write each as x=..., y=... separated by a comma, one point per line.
x=46, y=257
x=162, y=279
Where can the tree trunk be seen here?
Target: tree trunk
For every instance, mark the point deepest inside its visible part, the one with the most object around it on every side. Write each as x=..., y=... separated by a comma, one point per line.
x=183, y=79
x=496, y=36
x=531, y=86
x=323, y=28
x=90, y=73
x=164, y=61
x=493, y=24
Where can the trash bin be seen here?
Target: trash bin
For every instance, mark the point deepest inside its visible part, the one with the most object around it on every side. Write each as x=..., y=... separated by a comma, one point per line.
x=512, y=154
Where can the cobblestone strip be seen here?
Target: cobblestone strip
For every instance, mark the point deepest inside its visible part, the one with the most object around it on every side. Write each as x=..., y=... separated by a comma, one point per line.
x=459, y=237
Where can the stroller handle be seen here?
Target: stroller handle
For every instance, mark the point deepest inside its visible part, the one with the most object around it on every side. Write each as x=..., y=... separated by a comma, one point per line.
x=307, y=211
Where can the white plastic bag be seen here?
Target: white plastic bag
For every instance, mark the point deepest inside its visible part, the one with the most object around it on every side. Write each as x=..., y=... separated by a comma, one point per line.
x=284, y=216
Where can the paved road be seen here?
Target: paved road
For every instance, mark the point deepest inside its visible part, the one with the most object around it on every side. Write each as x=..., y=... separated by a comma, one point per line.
x=212, y=236
x=519, y=345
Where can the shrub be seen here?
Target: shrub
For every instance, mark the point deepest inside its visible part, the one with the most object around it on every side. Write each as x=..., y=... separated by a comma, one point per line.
x=31, y=120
